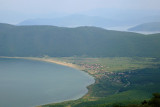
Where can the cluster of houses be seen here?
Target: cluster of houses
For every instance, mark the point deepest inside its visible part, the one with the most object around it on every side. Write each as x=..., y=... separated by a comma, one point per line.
x=96, y=68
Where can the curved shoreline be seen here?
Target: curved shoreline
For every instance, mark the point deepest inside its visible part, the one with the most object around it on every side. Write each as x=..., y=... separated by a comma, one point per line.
x=52, y=60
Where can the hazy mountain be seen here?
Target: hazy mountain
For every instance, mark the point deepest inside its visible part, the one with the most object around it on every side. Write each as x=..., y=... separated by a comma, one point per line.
x=71, y=21
x=99, y=17
x=149, y=27
x=80, y=41
x=127, y=16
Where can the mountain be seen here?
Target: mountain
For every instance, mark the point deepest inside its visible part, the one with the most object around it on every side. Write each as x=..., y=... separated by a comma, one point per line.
x=148, y=27
x=99, y=17
x=80, y=41
x=71, y=21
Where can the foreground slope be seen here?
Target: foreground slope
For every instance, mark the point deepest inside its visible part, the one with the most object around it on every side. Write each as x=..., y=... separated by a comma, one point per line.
x=119, y=80
x=80, y=41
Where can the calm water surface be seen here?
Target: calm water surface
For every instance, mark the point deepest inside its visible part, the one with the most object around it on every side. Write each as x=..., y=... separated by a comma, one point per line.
x=27, y=83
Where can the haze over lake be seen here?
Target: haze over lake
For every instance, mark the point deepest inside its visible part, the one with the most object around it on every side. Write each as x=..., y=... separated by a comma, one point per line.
x=27, y=83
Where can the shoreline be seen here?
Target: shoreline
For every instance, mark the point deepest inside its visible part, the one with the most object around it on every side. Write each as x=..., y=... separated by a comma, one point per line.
x=49, y=60
x=52, y=60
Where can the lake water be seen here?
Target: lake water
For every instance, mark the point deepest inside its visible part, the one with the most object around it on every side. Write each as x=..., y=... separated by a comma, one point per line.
x=27, y=83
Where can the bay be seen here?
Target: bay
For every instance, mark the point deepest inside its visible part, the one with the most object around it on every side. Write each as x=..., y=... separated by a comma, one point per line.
x=27, y=83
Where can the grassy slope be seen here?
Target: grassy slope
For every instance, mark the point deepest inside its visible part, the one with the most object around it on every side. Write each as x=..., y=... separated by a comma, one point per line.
x=120, y=80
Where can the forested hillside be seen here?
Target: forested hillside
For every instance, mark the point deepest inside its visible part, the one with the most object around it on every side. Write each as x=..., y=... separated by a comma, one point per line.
x=80, y=41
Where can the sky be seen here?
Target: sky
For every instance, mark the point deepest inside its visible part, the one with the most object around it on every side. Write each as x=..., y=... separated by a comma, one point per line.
x=13, y=11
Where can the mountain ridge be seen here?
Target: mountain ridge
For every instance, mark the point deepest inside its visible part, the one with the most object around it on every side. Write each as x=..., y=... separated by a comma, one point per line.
x=80, y=41
x=149, y=27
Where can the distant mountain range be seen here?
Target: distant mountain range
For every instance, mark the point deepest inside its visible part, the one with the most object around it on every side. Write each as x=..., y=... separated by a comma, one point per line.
x=72, y=21
x=148, y=27
x=80, y=41
x=109, y=20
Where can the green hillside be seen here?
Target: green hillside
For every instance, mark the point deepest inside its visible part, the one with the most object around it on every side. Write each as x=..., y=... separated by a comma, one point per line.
x=119, y=80
x=80, y=41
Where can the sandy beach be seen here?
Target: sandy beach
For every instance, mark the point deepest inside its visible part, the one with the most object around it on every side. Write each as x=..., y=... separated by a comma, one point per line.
x=50, y=60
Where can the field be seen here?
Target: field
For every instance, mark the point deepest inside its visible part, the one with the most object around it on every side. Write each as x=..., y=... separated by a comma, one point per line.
x=119, y=80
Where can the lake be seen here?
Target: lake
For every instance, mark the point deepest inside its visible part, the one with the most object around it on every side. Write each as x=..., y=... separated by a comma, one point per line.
x=27, y=83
